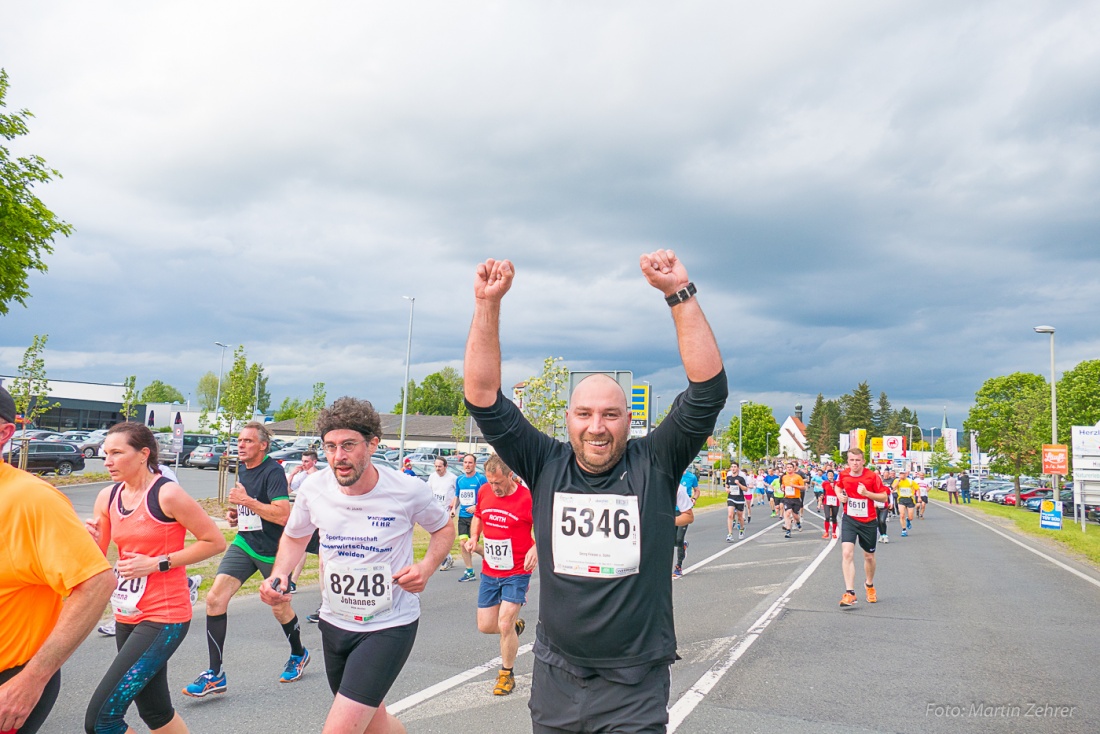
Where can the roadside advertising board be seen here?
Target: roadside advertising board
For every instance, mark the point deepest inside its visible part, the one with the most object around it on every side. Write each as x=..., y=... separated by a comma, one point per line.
x=1085, y=443
x=1055, y=459
x=1050, y=515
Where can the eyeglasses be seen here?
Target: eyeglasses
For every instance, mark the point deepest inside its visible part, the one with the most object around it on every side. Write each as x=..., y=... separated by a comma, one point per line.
x=347, y=446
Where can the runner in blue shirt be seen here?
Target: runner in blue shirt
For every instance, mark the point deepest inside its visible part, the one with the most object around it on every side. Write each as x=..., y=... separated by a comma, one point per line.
x=466, y=489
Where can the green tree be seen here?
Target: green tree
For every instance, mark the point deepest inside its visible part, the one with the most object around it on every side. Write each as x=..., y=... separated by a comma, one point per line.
x=207, y=392
x=288, y=409
x=759, y=423
x=306, y=420
x=815, y=434
x=856, y=408
x=129, y=397
x=27, y=227
x=30, y=388
x=238, y=389
x=263, y=399
x=158, y=392
x=939, y=459
x=460, y=423
x=1078, y=398
x=1012, y=416
x=881, y=416
x=544, y=398
x=440, y=393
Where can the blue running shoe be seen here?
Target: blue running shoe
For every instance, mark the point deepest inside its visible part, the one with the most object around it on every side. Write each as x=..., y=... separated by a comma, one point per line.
x=206, y=684
x=295, y=666
x=468, y=576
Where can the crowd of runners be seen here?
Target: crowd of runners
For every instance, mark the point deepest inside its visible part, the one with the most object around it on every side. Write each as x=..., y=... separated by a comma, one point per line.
x=855, y=502
x=596, y=513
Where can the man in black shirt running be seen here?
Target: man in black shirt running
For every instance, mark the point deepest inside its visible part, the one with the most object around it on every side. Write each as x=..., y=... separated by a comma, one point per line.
x=603, y=510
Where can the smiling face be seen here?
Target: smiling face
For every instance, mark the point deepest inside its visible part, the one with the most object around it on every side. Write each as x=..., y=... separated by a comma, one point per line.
x=598, y=422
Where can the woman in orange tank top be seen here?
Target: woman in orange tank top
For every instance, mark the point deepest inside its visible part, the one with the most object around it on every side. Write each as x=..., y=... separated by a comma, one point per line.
x=147, y=517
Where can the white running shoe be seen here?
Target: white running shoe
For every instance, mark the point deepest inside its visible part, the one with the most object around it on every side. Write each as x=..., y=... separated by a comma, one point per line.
x=107, y=629
x=193, y=583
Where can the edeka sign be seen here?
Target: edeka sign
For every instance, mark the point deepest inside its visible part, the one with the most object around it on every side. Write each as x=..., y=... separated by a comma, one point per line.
x=1055, y=459
x=1050, y=515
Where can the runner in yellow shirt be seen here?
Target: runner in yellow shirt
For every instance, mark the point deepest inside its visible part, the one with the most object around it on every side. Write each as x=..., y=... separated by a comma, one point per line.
x=906, y=490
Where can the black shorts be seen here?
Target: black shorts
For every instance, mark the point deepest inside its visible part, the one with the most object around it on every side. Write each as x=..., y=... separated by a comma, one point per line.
x=562, y=702
x=241, y=566
x=314, y=544
x=464, y=526
x=794, y=504
x=362, y=666
x=735, y=504
x=866, y=532
x=906, y=502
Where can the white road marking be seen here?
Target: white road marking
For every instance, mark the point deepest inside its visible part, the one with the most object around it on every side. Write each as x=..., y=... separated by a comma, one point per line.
x=687, y=702
x=445, y=685
x=726, y=550
x=1025, y=546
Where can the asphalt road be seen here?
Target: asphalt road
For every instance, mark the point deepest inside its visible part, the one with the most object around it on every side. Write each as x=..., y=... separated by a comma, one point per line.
x=972, y=632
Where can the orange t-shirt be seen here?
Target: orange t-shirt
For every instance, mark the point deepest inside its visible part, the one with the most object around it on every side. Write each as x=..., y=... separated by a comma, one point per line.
x=45, y=551
x=793, y=485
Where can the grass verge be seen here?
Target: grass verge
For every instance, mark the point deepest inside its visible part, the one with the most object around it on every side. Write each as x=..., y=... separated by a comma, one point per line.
x=1083, y=544
x=86, y=478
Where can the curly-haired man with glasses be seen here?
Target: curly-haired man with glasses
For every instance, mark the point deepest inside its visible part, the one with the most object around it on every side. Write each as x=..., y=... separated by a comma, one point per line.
x=370, y=609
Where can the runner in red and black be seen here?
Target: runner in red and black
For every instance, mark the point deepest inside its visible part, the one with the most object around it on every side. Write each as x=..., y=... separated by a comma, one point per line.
x=501, y=532
x=858, y=490
x=831, y=504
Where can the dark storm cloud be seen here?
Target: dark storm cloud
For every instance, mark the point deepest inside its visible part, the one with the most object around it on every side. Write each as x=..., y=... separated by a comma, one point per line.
x=891, y=194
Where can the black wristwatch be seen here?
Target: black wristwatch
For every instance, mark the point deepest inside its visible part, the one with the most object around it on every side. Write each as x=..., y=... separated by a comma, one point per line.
x=681, y=295
x=164, y=564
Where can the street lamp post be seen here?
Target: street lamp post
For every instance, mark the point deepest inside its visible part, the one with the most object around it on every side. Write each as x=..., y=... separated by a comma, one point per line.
x=909, y=446
x=648, y=415
x=740, y=430
x=1054, y=412
x=405, y=388
x=221, y=370
x=932, y=435
x=767, y=445
x=656, y=407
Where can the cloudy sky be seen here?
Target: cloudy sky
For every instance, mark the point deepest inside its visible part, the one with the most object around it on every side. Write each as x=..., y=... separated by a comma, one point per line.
x=891, y=192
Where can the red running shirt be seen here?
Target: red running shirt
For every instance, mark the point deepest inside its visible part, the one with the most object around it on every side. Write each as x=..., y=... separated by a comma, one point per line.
x=860, y=508
x=506, y=530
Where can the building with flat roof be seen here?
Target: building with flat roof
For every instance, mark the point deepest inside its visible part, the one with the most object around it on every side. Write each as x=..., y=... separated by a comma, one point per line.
x=87, y=405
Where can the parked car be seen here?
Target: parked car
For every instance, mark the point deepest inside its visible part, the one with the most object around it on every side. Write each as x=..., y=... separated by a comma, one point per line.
x=91, y=443
x=1035, y=503
x=70, y=436
x=48, y=456
x=286, y=455
x=204, y=457
x=422, y=457
x=34, y=434
x=1010, y=498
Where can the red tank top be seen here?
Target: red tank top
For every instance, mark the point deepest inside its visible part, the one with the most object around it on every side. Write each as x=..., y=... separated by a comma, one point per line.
x=146, y=530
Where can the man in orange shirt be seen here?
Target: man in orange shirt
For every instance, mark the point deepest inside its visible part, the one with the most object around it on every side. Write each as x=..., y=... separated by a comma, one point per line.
x=793, y=486
x=52, y=556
